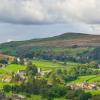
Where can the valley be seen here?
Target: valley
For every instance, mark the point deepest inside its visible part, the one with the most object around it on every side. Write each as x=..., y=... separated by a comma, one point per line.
x=51, y=68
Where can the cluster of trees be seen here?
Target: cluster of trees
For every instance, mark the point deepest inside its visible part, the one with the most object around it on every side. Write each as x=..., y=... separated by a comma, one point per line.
x=53, y=85
x=85, y=69
x=4, y=61
x=62, y=54
x=48, y=92
x=71, y=73
x=31, y=70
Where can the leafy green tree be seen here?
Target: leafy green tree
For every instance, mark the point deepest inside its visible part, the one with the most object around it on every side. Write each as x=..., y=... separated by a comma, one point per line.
x=31, y=70
x=7, y=88
x=16, y=78
x=77, y=95
x=93, y=64
x=95, y=97
x=54, y=91
x=4, y=61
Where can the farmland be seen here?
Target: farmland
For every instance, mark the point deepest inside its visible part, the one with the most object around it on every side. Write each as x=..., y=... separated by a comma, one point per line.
x=94, y=92
x=88, y=78
x=48, y=65
x=12, y=68
x=52, y=65
x=65, y=68
x=35, y=97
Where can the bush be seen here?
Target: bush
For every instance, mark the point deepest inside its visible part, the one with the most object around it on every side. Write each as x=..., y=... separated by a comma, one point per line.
x=77, y=95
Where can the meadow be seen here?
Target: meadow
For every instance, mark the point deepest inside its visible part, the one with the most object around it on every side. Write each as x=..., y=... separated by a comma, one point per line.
x=87, y=78
x=36, y=97
x=93, y=92
x=48, y=65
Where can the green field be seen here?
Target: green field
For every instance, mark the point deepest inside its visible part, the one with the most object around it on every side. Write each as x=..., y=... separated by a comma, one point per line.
x=11, y=68
x=15, y=67
x=49, y=65
x=2, y=71
x=88, y=78
x=94, y=92
x=36, y=97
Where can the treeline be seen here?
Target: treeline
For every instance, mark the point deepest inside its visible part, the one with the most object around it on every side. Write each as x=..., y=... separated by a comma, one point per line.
x=49, y=53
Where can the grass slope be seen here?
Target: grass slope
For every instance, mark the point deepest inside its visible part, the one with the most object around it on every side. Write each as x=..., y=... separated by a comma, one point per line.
x=15, y=67
x=11, y=68
x=48, y=65
x=37, y=97
x=93, y=92
x=88, y=78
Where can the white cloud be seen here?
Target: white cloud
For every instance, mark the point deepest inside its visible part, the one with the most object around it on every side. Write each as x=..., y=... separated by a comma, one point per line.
x=50, y=11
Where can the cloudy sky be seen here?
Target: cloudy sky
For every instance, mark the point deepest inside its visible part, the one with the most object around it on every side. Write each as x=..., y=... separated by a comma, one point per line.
x=26, y=19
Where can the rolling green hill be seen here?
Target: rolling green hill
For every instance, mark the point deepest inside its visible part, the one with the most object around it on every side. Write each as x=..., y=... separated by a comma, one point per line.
x=61, y=41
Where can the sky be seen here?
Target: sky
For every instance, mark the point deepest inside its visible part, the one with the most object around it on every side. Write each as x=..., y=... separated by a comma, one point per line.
x=28, y=19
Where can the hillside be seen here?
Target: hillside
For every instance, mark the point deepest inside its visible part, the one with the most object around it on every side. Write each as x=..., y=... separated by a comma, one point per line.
x=46, y=44
x=64, y=40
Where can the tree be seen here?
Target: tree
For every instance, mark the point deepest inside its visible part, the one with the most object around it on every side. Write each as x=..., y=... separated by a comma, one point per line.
x=95, y=97
x=77, y=95
x=54, y=91
x=4, y=61
x=31, y=70
x=93, y=64
x=7, y=88
x=16, y=78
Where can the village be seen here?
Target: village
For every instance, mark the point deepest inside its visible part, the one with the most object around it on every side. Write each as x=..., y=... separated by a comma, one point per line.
x=6, y=60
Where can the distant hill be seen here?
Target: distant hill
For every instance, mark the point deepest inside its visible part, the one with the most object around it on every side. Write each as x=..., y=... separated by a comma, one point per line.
x=62, y=37
x=64, y=40
x=69, y=36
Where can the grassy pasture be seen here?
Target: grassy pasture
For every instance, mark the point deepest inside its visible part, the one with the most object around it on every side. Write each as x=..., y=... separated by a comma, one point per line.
x=94, y=92
x=88, y=78
x=51, y=65
x=12, y=68
x=2, y=71
x=15, y=67
x=37, y=97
